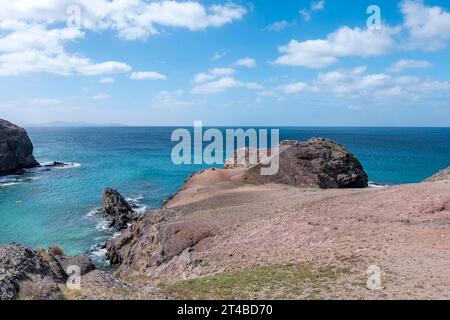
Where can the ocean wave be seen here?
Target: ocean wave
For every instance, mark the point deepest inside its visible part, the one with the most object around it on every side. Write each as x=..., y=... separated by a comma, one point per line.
x=93, y=212
x=13, y=180
x=60, y=165
x=103, y=225
x=97, y=253
x=136, y=203
x=377, y=185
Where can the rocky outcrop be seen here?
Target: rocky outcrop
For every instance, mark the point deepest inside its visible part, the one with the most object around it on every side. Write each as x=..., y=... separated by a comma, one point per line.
x=31, y=273
x=318, y=163
x=83, y=262
x=16, y=149
x=441, y=175
x=117, y=210
x=155, y=239
x=158, y=240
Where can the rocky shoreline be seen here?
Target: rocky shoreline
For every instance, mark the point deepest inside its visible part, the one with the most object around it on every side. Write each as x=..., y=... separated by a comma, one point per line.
x=234, y=226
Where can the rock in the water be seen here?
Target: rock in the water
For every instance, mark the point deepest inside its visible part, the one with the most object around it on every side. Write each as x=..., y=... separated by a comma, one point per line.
x=16, y=149
x=441, y=175
x=83, y=262
x=36, y=273
x=117, y=210
x=318, y=162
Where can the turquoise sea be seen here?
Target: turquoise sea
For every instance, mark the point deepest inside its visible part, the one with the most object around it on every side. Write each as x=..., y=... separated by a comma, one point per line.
x=41, y=208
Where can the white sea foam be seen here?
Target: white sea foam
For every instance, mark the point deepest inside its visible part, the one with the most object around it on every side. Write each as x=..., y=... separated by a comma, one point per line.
x=138, y=206
x=93, y=212
x=65, y=165
x=103, y=225
x=377, y=185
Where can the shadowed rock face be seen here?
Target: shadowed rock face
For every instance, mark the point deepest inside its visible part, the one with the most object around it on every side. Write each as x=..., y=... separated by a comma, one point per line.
x=16, y=149
x=441, y=175
x=27, y=269
x=116, y=209
x=317, y=163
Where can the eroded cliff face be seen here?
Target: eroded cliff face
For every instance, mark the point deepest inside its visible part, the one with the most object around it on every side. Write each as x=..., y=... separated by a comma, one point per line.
x=16, y=149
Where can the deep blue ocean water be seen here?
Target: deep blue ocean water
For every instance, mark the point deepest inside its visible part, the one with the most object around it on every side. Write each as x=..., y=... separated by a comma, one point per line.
x=42, y=208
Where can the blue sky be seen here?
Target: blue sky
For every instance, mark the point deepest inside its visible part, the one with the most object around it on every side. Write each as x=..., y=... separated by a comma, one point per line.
x=301, y=63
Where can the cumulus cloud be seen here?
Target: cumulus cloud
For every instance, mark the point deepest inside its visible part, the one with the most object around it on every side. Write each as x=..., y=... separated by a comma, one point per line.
x=358, y=83
x=401, y=65
x=297, y=87
x=428, y=26
x=132, y=19
x=341, y=43
x=223, y=84
x=147, y=75
x=213, y=74
x=246, y=62
x=33, y=34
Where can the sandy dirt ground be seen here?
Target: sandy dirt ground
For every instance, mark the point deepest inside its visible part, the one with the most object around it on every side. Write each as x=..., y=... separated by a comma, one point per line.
x=403, y=230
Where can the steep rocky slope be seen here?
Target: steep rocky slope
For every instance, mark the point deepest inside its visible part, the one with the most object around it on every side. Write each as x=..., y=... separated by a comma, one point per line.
x=16, y=149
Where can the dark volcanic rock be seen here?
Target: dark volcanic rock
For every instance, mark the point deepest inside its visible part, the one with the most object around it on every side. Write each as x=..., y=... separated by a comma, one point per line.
x=441, y=175
x=83, y=262
x=16, y=149
x=317, y=163
x=36, y=273
x=117, y=210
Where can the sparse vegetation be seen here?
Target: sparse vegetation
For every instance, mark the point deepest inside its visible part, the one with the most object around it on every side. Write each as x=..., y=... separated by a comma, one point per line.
x=270, y=282
x=56, y=250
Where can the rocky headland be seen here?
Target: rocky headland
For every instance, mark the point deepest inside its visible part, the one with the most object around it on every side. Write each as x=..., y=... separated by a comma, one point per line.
x=312, y=231
x=16, y=149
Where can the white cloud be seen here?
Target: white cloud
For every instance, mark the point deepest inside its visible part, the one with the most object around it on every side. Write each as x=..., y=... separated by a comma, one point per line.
x=44, y=101
x=32, y=38
x=246, y=62
x=219, y=55
x=223, y=84
x=132, y=19
x=341, y=43
x=172, y=99
x=101, y=96
x=213, y=74
x=34, y=48
x=107, y=80
x=222, y=71
x=428, y=27
x=317, y=6
x=147, y=75
x=401, y=65
x=314, y=6
x=356, y=83
x=278, y=26
x=297, y=87
x=203, y=77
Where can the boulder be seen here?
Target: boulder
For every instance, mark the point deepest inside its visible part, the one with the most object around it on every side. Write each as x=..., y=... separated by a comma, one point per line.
x=316, y=163
x=28, y=273
x=441, y=175
x=117, y=210
x=16, y=149
x=83, y=262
